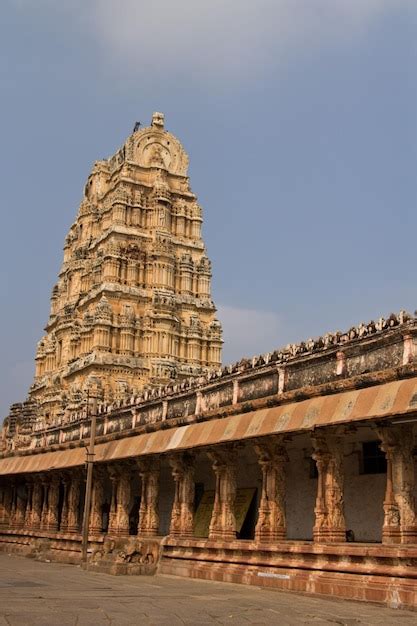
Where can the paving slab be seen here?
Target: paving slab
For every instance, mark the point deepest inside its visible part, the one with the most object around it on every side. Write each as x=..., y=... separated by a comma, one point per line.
x=33, y=593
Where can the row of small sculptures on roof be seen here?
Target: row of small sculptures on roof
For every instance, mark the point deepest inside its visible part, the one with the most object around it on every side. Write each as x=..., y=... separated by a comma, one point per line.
x=278, y=356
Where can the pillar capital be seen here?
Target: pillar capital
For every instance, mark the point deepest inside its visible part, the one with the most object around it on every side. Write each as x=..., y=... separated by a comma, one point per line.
x=223, y=456
x=271, y=450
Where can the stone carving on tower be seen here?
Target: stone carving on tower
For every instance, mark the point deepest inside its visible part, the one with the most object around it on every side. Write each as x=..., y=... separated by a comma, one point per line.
x=131, y=308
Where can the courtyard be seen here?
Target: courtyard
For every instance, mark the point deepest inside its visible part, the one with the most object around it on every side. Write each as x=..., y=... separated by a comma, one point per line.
x=50, y=594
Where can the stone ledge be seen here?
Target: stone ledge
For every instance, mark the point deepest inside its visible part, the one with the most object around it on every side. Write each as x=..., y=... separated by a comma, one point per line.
x=349, y=558
x=373, y=573
x=392, y=591
x=298, y=546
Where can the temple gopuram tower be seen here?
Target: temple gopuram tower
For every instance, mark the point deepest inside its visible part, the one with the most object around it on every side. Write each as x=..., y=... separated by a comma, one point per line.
x=131, y=308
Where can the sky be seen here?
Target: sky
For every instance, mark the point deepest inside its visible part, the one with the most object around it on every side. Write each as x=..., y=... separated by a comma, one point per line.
x=300, y=120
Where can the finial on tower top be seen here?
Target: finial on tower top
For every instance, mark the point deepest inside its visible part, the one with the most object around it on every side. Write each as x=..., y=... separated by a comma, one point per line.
x=158, y=120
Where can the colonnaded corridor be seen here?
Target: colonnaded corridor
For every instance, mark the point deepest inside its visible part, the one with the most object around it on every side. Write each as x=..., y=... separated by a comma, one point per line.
x=47, y=594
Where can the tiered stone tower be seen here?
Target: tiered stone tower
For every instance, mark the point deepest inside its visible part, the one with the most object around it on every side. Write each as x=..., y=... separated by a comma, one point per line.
x=132, y=306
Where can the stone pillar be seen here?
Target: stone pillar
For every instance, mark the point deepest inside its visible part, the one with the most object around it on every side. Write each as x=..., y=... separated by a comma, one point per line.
x=2, y=497
x=123, y=502
x=329, y=511
x=273, y=459
x=121, y=478
x=20, y=510
x=13, y=496
x=391, y=532
x=223, y=520
x=97, y=501
x=7, y=494
x=74, y=491
x=35, y=521
x=53, y=500
x=114, y=478
x=400, y=508
x=66, y=481
x=44, y=511
x=29, y=503
x=149, y=503
x=182, y=515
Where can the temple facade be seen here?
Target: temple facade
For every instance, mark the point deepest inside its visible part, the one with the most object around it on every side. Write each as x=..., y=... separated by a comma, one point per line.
x=131, y=309
x=295, y=470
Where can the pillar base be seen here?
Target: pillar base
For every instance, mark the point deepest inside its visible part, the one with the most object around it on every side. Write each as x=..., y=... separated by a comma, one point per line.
x=329, y=535
x=391, y=535
x=223, y=535
x=150, y=532
x=409, y=534
x=269, y=536
x=73, y=529
x=176, y=534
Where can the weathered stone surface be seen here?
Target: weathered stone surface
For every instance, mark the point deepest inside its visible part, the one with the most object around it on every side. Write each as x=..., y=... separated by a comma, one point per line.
x=330, y=520
x=261, y=459
x=42, y=594
x=182, y=515
x=126, y=556
x=273, y=458
x=132, y=306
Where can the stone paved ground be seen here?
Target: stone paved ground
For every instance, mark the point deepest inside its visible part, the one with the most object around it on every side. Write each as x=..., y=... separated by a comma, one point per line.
x=51, y=594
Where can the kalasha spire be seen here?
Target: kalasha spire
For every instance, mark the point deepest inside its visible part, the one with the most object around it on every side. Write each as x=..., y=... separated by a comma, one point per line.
x=132, y=305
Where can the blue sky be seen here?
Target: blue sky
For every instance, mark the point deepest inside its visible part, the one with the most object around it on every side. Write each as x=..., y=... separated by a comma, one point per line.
x=300, y=119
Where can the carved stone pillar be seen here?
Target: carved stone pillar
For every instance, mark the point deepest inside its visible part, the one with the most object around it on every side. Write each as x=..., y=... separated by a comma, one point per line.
x=400, y=508
x=66, y=481
x=97, y=500
x=35, y=521
x=44, y=511
x=13, y=496
x=273, y=459
x=114, y=478
x=2, y=496
x=7, y=495
x=329, y=510
x=149, y=503
x=74, y=504
x=121, y=478
x=20, y=510
x=53, y=500
x=223, y=520
x=28, y=513
x=182, y=515
x=2, y=505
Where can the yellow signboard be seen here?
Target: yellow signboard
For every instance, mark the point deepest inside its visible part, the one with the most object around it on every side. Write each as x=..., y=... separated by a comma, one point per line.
x=242, y=504
x=202, y=516
x=205, y=508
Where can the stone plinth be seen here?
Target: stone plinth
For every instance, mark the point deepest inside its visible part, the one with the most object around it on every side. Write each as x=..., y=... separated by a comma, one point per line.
x=357, y=572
